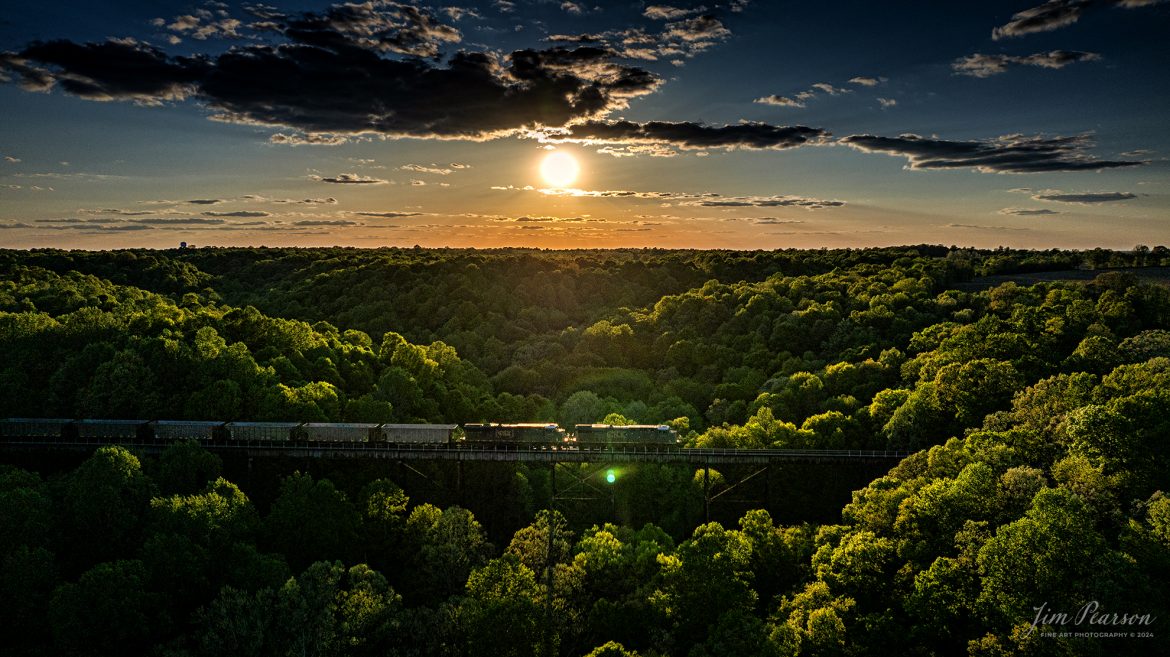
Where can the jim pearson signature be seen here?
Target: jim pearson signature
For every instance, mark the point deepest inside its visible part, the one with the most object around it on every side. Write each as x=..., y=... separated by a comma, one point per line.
x=1089, y=614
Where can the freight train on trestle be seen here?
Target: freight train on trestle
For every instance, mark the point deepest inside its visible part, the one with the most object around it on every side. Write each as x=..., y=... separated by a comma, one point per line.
x=542, y=436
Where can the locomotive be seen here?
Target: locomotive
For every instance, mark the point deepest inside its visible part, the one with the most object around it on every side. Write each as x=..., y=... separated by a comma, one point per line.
x=611, y=436
x=507, y=435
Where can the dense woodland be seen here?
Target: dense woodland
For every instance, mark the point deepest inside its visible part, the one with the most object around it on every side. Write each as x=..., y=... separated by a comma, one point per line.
x=1038, y=416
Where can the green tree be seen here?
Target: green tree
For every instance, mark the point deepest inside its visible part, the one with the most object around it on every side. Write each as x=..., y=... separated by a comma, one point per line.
x=503, y=609
x=102, y=506
x=184, y=468
x=109, y=611
x=311, y=520
x=707, y=576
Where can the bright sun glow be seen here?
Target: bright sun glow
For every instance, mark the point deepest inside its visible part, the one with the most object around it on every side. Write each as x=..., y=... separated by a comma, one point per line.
x=559, y=169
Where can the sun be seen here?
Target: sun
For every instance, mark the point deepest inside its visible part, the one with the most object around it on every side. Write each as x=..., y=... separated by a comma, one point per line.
x=559, y=169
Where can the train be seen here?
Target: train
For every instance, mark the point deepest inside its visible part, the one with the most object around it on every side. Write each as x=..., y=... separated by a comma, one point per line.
x=613, y=436
x=499, y=435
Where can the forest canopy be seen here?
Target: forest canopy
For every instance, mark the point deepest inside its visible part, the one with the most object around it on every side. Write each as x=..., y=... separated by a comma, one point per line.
x=1032, y=388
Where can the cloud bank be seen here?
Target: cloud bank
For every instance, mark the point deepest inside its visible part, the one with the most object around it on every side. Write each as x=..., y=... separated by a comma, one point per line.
x=1083, y=198
x=688, y=135
x=373, y=68
x=1007, y=154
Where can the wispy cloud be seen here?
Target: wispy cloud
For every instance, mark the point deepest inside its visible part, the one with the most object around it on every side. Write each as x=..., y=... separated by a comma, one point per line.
x=983, y=66
x=239, y=213
x=433, y=169
x=390, y=214
x=669, y=13
x=325, y=222
x=312, y=139
x=351, y=179
x=180, y=221
x=705, y=199
x=1028, y=212
x=801, y=98
x=1083, y=198
x=116, y=211
x=982, y=227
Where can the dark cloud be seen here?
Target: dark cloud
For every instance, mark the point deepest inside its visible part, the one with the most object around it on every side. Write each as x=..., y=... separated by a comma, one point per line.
x=1056, y=14
x=351, y=179
x=689, y=135
x=1083, y=198
x=982, y=66
x=475, y=97
x=326, y=222
x=114, y=70
x=202, y=201
x=14, y=225
x=239, y=213
x=1043, y=18
x=356, y=69
x=1007, y=154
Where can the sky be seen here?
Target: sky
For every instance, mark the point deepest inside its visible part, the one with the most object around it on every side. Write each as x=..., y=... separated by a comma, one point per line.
x=740, y=124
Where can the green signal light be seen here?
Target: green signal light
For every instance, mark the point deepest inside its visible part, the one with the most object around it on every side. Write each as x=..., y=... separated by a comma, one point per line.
x=610, y=476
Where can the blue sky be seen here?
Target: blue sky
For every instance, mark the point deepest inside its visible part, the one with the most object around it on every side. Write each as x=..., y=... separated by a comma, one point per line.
x=720, y=124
